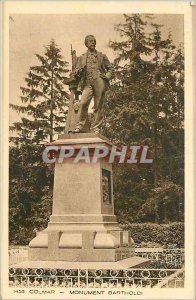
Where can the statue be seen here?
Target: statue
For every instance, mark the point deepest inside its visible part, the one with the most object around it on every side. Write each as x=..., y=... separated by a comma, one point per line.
x=90, y=78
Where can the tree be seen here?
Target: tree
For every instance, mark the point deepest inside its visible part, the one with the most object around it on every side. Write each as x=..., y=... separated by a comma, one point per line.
x=127, y=100
x=44, y=108
x=143, y=108
x=44, y=98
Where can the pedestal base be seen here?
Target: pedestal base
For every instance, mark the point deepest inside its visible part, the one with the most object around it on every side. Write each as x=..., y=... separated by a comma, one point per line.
x=80, y=245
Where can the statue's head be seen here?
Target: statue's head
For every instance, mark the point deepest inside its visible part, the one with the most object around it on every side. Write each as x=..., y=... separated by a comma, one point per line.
x=90, y=42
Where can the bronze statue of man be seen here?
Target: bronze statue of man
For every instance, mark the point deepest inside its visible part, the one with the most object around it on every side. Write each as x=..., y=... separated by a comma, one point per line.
x=93, y=72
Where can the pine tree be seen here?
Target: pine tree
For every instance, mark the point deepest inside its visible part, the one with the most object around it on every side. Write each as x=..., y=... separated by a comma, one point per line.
x=127, y=113
x=143, y=108
x=44, y=109
x=168, y=138
x=44, y=98
x=127, y=100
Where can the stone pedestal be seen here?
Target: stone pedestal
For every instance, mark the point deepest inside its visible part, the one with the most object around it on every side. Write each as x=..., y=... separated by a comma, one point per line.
x=82, y=226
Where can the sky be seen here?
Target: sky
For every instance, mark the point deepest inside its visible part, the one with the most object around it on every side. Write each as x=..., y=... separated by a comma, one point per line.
x=30, y=33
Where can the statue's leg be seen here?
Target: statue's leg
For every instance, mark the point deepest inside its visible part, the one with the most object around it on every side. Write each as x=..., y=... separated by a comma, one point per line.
x=86, y=97
x=99, y=97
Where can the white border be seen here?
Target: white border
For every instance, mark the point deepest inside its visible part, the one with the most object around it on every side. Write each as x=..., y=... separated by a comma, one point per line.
x=44, y=7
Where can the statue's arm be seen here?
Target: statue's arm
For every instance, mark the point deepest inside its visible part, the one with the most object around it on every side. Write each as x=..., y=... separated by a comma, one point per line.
x=108, y=67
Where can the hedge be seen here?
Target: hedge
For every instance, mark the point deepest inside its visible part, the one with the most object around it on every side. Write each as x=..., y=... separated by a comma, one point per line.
x=151, y=234
x=144, y=235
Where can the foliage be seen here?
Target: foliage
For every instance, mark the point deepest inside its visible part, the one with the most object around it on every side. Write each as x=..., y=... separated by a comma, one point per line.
x=43, y=109
x=44, y=99
x=162, y=234
x=145, y=107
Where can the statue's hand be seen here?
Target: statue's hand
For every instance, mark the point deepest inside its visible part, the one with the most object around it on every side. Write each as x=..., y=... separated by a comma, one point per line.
x=105, y=77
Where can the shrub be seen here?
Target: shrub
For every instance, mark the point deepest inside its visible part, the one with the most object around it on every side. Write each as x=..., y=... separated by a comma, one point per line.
x=151, y=234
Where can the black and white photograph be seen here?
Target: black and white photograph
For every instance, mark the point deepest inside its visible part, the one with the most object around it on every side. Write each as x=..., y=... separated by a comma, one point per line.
x=99, y=142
